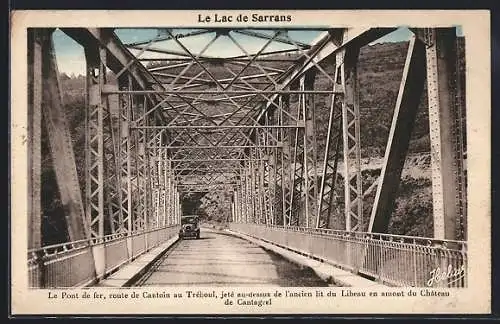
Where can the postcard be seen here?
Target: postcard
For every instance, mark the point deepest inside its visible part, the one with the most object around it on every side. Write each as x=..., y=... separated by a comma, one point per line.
x=250, y=162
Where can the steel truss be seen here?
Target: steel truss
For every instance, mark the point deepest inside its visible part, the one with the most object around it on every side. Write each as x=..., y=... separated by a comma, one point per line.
x=246, y=125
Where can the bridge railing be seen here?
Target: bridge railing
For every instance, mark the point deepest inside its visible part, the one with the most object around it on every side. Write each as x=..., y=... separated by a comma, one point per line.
x=74, y=264
x=394, y=260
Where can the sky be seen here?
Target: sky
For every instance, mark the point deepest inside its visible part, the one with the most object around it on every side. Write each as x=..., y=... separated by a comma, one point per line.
x=71, y=59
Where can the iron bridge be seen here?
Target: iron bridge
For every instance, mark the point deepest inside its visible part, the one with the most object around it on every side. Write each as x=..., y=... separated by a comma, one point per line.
x=162, y=123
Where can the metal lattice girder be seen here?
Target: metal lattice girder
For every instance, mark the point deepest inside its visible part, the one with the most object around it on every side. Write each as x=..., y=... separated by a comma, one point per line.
x=59, y=135
x=154, y=179
x=234, y=211
x=335, y=41
x=166, y=184
x=446, y=161
x=460, y=143
x=327, y=207
x=286, y=161
x=264, y=197
x=95, y=141
x=410, y=91
x=178, y=207
x=244, y=120
x=137, y=205
x=238, y=204
x=353, y=190
x=111, y=161
x=254, y=190
x=242, y=197
x=190, y=114
x=271, y=170
x=169, y=190
x=197, y=138
x=249, y=193
x=297, y=169
x=261, y=192
x=149, y=177
x=163, y=186
x=310, y=153
x=126, y=152
x=213, y=79
x=142, y=167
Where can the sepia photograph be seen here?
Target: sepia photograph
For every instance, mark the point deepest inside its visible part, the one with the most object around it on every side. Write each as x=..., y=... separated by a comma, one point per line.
x=248, y=160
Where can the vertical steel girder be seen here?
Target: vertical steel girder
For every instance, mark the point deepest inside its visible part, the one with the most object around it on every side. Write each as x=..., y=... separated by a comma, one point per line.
x=178, y=211
x=328, y=212
x=168, y=190
x=60, y=141
x=151, y=176
x=125, y=159
x=297, y=166
x=286, y=171
x=242, y=211
x=103, y=176
x=167, y=204
x=255, y=180
x=310, y=151
x=154, y=182
x=243, y=197
x=137, y=204
x=236, y=201
x=249, y=194
x=444, y=126
x=353, y=191
x=273, y=175
x=95, y=146
x=111, y=162
x=263, y=188
x=460, y=143
x=142, y=167
x=162, y=187
x=172, y=190
x=234, y=211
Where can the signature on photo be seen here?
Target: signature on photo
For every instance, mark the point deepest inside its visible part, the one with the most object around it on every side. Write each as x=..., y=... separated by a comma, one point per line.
x=450, y=275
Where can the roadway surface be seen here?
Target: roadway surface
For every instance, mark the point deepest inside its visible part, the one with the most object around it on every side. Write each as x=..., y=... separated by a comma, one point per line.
x=220, y=260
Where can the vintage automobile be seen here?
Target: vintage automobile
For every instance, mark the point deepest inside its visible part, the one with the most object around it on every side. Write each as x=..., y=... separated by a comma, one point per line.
x=189, y=227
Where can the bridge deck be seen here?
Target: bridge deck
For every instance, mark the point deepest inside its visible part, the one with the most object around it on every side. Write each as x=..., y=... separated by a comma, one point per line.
x=220, y=260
